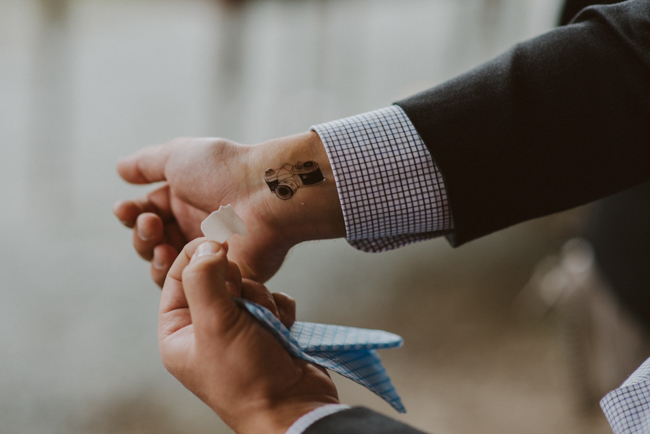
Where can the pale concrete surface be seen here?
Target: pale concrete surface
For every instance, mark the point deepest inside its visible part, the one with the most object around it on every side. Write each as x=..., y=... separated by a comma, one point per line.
x=85, y=82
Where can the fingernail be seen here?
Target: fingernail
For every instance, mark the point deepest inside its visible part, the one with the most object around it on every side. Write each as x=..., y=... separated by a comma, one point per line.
x=157, y=263
x=207, y=248
x=143, y=234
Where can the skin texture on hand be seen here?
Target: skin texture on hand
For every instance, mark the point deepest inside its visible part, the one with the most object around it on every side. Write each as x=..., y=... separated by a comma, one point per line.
x=200, y=175
x=224, y=356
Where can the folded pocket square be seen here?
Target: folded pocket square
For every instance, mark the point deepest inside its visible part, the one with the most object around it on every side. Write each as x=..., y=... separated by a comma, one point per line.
x=347, y=351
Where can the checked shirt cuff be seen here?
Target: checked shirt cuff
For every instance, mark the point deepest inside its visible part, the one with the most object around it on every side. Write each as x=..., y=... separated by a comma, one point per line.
x=628, y=408
x=392, y=194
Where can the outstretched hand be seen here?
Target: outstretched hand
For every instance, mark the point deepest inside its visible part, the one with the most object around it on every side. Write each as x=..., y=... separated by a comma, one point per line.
x=224, y=356
x=200, y=175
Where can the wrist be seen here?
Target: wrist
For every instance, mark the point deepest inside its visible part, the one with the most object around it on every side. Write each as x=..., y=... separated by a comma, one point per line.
x=313, y=210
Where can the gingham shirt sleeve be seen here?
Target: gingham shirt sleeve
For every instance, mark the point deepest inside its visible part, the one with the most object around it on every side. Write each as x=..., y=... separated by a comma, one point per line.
x=628, y=408
x=313, y=416
x=392, y=194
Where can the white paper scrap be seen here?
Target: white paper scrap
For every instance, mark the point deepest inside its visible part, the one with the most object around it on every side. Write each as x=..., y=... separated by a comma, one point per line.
x=222, y=223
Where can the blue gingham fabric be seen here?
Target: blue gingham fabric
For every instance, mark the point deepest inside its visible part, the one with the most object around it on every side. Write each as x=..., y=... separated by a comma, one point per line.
x=628, y=408
x=348, y=351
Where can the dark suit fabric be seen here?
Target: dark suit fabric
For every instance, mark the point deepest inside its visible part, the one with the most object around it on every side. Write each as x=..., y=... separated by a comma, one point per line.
x=556, y=122
x=359, y=420
x=572, y=7
x=620, y=234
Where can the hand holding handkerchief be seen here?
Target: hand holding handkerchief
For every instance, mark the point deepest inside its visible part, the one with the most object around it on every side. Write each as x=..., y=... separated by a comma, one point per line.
x=348, y=351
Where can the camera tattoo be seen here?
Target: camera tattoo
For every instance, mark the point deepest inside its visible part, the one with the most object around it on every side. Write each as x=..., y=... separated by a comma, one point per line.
x=287, y=179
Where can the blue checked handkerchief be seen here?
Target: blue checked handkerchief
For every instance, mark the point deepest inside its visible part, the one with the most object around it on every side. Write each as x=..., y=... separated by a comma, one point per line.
x=347, y=351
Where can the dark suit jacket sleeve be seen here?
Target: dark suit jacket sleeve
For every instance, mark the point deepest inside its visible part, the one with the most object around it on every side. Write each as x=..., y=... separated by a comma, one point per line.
x=556, y=122
x=359, y=420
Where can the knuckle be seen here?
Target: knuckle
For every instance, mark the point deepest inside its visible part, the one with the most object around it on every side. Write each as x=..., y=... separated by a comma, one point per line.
x=220, y=142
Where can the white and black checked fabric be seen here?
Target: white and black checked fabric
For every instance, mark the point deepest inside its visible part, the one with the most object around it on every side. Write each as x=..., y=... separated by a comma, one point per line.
x=391, y=192
x=628, y=408
x=313, y=416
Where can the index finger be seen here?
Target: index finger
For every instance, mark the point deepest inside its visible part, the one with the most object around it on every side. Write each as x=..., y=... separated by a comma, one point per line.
x=145, y=166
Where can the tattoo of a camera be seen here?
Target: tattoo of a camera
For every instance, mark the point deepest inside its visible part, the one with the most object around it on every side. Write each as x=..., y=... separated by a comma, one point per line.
x=287, y=179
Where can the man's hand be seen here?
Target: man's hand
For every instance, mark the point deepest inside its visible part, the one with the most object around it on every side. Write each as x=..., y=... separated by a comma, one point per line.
x=202, y=174
x=224, y=356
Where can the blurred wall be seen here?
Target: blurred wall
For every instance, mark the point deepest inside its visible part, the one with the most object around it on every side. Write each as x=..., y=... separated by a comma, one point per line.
x=85, y=82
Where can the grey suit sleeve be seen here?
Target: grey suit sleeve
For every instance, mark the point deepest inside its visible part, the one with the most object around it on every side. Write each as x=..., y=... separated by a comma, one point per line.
x=359, y=420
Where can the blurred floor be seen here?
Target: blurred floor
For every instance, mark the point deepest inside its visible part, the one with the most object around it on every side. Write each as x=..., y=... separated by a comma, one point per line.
x=85, y=82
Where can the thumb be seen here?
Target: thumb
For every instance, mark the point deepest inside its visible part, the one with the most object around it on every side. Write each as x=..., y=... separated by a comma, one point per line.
x=212, y=308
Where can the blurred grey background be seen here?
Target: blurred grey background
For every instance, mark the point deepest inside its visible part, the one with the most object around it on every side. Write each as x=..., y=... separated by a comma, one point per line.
x=84, y=82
